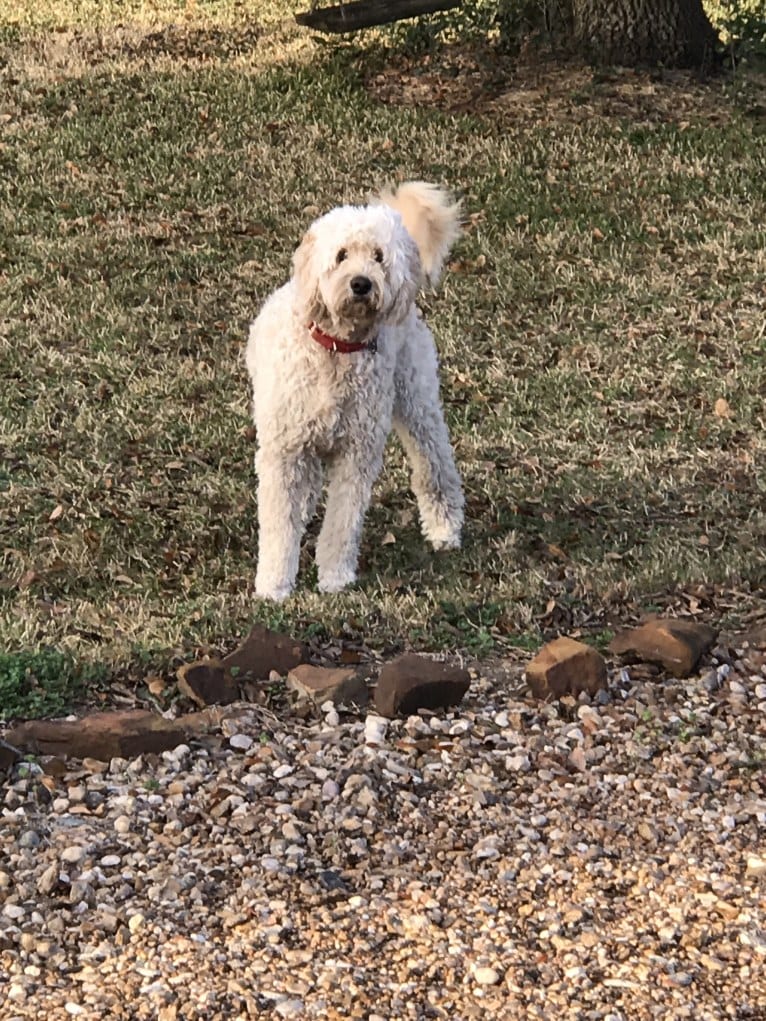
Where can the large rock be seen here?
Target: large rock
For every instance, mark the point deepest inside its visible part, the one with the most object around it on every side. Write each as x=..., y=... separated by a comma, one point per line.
x=8, y=754
x=413, y=682
x=566, y=667
x=104, y=736
x=325, y=684
x=676, y=644
x=263, y=651
x=207, y=682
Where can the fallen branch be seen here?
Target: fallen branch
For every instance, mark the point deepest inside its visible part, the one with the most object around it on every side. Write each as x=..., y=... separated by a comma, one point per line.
x=367, y=13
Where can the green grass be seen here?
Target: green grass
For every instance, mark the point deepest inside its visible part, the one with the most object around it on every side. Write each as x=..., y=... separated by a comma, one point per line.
x=43, y=682
x=156, y=172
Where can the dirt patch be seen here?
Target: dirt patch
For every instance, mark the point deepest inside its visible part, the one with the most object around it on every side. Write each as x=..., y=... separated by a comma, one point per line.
x=541, y=89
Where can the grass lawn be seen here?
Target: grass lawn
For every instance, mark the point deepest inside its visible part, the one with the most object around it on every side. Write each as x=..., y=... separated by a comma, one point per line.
x=602, y=331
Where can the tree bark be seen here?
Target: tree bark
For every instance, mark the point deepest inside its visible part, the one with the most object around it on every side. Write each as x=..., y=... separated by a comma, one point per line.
x=672, y=33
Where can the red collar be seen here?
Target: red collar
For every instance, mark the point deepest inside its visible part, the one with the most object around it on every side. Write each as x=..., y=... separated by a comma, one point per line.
x=331, y=343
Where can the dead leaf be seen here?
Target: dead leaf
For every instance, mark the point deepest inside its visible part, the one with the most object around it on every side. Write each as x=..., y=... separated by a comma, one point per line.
x=56, y=513
x=28, y=579
x=597, y=235
x=155, y=684
x=388, y=539
x=722, y=408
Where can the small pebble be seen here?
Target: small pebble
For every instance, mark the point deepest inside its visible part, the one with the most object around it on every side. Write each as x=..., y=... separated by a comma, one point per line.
x=290, y=1008
x=330, y=790
x=73, y=855
x=486, y=976
x=375, y=728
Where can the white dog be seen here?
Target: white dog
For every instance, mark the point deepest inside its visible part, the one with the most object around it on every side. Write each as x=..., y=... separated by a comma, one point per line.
x=337, y=355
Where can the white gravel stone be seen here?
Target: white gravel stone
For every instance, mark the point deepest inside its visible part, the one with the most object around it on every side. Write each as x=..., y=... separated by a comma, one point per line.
x=375, y=729
x=486, y=976
x=242, y=742
x=330, y=790
x=290, y=1008
x=73, y=854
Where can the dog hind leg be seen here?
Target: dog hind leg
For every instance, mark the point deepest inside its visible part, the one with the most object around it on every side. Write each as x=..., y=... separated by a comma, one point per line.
x=435, y=480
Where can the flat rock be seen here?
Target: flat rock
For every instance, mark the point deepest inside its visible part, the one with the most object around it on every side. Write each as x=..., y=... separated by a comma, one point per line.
x=207, y=682
x=413, y=682
x=676, y=644
x=263, y=651
x=126, y=734
x=566, y=667
x=327, y=684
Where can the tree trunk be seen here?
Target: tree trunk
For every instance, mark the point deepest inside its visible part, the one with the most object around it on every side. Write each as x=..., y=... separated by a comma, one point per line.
x=672, y=33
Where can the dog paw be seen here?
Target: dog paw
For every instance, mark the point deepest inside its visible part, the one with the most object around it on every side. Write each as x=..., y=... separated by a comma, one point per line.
x=276, y=593
x=446, y=543
x=444, y=537
x=337, y=581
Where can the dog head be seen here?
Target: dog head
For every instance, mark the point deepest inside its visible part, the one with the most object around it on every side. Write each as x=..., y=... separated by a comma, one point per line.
x=357, y=268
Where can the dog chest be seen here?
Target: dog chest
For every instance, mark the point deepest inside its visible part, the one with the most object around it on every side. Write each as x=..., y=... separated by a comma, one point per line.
x=347, y=403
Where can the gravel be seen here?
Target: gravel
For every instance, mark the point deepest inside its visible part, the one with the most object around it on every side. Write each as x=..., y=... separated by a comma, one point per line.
x=506, y=860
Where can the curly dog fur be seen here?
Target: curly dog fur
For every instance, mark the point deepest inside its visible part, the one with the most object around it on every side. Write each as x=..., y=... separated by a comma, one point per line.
x=337, y=356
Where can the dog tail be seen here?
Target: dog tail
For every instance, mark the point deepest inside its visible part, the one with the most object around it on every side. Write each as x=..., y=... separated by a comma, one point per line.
x=432, y=220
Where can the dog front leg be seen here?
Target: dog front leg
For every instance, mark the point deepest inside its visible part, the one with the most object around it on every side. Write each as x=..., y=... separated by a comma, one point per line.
x=351, y=477
x=287, y=492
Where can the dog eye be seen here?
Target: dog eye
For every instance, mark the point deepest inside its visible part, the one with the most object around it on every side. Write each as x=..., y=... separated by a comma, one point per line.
x=341, y=255
x=378, y=255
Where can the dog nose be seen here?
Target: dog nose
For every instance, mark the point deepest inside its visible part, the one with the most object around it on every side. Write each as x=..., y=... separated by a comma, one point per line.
x=360, y=286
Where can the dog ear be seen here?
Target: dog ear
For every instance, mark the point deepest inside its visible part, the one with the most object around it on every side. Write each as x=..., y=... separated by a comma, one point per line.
x=406, y=272
x=307, y=279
